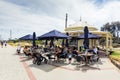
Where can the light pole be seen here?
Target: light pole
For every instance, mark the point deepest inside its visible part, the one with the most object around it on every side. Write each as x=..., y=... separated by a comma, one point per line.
x=10, y=34
x=66, y=19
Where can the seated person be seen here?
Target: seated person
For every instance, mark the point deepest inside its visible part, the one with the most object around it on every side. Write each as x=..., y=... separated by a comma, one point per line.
x=70, y=55
x=46, y=48
x=95, y=50
x=64, y=51
x=95, y=56
x=26, y=50
x=58, y=53
x=19, y=49
x=75, y=52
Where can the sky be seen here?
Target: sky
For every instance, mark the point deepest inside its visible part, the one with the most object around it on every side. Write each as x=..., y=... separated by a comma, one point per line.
x=23, y=17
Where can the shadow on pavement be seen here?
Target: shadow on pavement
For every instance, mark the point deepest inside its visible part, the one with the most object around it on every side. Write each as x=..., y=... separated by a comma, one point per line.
x=92, y=66
x=21, y=54
x=48, y=67
x=43, y=67
x=75, y=67
x=25, y=59
x=85, y=68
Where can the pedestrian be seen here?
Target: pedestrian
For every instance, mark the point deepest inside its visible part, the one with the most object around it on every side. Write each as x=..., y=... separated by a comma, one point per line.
x=2, y=44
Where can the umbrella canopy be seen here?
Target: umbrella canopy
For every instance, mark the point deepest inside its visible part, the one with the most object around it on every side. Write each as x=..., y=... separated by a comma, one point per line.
x=54, y=34
x=86, y=39
x=90, y=36
x=34, y=39
x=27, y=37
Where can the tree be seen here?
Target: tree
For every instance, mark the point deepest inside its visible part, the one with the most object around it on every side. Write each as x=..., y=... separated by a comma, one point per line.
x=114, y=29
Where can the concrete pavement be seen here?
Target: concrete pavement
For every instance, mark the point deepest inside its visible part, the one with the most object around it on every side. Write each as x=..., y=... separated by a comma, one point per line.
x=19, y=67
x=10, y=66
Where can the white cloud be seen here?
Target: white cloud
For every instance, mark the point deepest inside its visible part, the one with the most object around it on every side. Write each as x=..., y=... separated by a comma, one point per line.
x=42, y=16
x=21, y=21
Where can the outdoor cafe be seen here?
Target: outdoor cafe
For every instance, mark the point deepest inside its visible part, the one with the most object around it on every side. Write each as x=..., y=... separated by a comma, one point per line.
x=55, y=53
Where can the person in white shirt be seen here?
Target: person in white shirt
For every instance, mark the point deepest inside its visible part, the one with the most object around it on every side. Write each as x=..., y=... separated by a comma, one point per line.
x=95, y=50
x=18, y=48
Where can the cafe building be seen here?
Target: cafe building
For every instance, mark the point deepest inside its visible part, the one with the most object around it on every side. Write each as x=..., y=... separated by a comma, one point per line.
x=104, y=41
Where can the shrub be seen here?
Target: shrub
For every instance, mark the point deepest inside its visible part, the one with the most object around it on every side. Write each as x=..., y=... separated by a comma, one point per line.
x=115, y=56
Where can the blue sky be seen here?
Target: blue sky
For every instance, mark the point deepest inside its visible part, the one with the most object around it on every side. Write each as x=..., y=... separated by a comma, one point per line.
x=40, y=16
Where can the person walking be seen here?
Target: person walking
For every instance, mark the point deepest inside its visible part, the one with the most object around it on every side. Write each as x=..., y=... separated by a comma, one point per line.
x=1, y=44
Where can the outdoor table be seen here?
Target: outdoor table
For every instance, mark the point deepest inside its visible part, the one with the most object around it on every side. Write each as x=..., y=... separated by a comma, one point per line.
x=86, y=56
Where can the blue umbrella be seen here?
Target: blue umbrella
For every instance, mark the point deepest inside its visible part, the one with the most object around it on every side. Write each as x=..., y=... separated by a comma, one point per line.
x=27, y=37
x=90, y=36
x=54, y=34
x=34, y=39
x=86, y=39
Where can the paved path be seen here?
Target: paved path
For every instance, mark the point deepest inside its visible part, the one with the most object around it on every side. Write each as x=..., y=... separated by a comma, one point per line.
x=10, y=66
x=19, y=67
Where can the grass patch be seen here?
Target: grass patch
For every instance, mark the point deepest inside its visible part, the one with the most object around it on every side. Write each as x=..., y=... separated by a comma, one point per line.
x=24, y=43
x=21, y=43
x=115, y=55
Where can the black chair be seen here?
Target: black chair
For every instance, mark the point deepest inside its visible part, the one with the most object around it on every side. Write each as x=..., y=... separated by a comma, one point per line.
x=79, y=59
x=63, y=56
x=27, y=54
x=38, y=58
x=46, y=50
x=95, y=58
